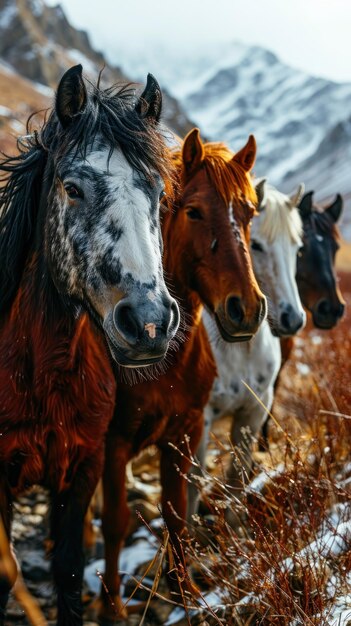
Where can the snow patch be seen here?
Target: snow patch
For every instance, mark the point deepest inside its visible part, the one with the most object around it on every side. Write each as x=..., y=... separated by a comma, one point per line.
x=303, y=368
x=260, y=481
x=78, y=57
x=5, y=112
x=37, y=7
x=7, y=15
x=43, y=89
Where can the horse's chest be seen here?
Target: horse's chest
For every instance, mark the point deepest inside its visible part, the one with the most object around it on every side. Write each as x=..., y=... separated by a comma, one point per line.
x=51, y=423
x=244, y=370
x=163, y=410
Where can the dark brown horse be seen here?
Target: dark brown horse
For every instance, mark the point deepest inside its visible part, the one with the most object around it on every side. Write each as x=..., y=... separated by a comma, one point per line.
x=206, y=234
x=80, y=195
x=315, y=274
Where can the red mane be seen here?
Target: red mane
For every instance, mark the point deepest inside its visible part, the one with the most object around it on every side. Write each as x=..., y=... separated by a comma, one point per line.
x=225, y=174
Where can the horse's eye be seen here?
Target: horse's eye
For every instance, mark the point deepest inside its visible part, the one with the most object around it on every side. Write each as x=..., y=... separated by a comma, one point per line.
x=256, y=246
x=194, y=214
x=73, y=191
x=162, y=194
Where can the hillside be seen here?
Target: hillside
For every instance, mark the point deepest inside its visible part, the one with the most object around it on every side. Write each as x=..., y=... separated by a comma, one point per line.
x=302, y=123
x=37, y=45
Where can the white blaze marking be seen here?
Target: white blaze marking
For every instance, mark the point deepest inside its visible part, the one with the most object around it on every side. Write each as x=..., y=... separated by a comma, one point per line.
x=234, y=224
x=138, y=248
x=151, y=329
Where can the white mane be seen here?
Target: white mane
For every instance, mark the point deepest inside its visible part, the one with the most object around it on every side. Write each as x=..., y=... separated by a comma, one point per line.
x=279, y=217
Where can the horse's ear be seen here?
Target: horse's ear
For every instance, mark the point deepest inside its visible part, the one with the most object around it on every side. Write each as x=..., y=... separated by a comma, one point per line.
x=149, y=105
x=296, y=197
x=305, y=206
x=334, y=210
x=261, y=189
x=71, y=97
x=247, y=155
x=193, y=151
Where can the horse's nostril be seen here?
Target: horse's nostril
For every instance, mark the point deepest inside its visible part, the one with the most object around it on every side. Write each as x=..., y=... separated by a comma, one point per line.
x=174, y=319
x=291, y=321
x=235, y=309
x=285, y=321
x=324, y=307
x=341, y=310
x=126, y=323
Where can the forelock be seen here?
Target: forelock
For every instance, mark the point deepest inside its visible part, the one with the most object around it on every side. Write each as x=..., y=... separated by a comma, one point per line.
x=278, y=218
x=110, y=120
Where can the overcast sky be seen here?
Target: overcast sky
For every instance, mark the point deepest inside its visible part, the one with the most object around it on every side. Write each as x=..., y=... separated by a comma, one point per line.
x=313, y=35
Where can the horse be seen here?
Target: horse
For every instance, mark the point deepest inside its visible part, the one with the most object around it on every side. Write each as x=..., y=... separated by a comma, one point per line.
x=81, y=279
x=275, y=240
x=315, y=276
x=207, y=261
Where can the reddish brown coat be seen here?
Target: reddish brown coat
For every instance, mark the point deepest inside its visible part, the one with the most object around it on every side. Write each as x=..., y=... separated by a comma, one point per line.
x=201, y=272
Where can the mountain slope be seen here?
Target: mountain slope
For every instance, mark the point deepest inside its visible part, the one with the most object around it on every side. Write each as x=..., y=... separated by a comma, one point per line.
x=301, y=123
x=38, y=43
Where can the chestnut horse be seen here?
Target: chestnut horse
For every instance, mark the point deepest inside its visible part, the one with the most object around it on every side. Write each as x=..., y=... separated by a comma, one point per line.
x=82, y=193
x=206, y=234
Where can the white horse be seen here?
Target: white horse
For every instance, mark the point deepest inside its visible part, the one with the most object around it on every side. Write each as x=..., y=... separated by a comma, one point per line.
x=275, y=240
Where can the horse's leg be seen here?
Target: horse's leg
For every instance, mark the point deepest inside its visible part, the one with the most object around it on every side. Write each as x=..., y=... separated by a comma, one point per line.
x=247, y=423
x=196, y=470
x=67, y=522
x=115, y=518
x=8, y=566
x=286, y=348
x=174, y=468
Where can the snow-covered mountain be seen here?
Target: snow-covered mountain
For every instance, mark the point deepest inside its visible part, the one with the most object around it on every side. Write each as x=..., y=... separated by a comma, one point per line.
x=37, y=45
x=302, y=123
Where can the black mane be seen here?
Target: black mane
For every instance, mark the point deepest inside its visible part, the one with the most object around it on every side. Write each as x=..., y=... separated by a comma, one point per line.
x=110, y=116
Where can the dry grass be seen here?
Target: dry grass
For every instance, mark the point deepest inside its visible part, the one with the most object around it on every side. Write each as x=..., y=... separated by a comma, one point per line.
x=287, y=560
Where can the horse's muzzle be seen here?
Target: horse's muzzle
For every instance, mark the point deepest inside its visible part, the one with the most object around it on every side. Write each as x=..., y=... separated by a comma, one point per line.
x=235, y=323
x=325, y=315
x=139, y=331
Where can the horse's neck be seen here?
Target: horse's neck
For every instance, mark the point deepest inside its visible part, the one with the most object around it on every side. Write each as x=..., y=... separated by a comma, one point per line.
x=39, y=313
x=248, y=361
x=245, y=350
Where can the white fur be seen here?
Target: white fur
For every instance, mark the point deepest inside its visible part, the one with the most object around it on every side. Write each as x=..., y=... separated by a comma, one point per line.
x=278, y=230
x=135, y=254
x=138, y=247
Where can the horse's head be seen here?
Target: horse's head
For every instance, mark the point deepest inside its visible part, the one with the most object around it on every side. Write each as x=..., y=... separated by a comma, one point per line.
x=316, y=278
x=106, y=170
x=208, y=232
x=275, y=240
